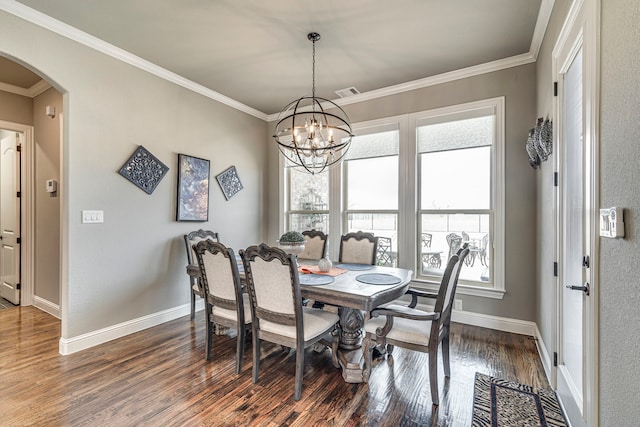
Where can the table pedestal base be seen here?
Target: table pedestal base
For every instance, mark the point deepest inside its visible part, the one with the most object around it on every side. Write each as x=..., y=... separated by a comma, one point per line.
x=349, y=350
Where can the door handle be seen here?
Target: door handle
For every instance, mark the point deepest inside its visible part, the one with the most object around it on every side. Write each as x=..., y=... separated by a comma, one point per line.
x=584, y=288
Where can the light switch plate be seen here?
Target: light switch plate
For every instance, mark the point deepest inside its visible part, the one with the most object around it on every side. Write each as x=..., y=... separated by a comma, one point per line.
x=92, y=217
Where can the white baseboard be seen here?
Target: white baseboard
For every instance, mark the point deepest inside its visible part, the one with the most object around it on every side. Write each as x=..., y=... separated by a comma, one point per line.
x=504, y=324
x=547, y=363
x=91, y=339
x=46, y=306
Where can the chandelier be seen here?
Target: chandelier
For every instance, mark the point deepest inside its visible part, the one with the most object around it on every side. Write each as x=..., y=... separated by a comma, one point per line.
x=312, y=132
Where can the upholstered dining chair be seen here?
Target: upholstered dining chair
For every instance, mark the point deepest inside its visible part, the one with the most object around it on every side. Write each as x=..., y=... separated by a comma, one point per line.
x=414, y=329
x=189, y=240
x=358, y=248
x=315, y=247
x=278, y=314
x=225, y=302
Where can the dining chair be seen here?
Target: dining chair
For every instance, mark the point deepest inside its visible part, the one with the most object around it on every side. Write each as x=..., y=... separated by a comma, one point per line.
x=277, y=311
x=358, y=248
x=384, y=256
x=482, y=252
x=225, y=302
x=414, y=329
x=191, y=239
x=315, y=247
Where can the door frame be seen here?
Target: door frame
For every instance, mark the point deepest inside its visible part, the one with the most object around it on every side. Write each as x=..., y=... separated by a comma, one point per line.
x=27, y=214
x=582, y=29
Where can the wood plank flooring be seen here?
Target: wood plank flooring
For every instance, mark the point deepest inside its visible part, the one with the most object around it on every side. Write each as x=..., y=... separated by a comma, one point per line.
x=159, y=377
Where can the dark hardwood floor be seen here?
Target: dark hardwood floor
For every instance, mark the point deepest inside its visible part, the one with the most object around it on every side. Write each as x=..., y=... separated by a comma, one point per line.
x=159, y=377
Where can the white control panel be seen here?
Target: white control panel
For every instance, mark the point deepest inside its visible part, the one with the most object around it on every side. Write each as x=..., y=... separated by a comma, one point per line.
x=611, y=223
x=92, y=217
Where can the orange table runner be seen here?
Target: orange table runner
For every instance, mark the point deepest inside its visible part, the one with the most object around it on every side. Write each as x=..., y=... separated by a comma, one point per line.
x=314, y=269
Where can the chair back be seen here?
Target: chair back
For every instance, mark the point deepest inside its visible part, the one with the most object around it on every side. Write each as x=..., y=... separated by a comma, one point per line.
x=426, y=240
x=454, y=241
x=272, y=278
x=358, y=248
x=220, y=276
x=315, y=246
x=384, y=252
x=193, y=238
x=447, y=291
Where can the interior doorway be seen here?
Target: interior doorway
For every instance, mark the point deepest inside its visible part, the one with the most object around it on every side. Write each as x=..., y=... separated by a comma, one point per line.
x=10, y=166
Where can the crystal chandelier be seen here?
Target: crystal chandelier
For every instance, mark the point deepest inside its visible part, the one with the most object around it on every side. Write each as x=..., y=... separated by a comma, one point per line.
x=313, y=132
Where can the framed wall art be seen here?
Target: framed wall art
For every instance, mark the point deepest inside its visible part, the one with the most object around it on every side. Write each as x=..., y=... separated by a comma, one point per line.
x=229, y=182
x=193, y=189
x=144, y=170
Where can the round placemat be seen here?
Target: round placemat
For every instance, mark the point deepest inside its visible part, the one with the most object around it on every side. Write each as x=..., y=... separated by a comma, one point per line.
x=378, y=279
x=315, y=279
x=355, y=267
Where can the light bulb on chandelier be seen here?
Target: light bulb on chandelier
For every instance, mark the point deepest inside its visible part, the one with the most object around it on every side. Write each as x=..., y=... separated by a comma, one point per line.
x=312, y=132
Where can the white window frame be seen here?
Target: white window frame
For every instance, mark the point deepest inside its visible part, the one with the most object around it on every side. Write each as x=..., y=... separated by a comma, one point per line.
x=497, y=218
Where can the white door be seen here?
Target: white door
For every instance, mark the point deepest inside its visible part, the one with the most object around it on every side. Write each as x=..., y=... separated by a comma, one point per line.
x=10, y=217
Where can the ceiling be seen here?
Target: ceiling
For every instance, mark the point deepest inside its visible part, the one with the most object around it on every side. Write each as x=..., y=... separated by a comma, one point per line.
x=256, y=52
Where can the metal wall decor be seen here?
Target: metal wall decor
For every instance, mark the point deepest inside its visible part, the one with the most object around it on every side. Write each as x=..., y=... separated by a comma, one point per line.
x=229, y=182
x=539, y=144
x=193, y=189
x=144, y=170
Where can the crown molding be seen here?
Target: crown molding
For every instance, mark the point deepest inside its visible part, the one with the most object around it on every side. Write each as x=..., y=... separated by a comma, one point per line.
x=72, y=33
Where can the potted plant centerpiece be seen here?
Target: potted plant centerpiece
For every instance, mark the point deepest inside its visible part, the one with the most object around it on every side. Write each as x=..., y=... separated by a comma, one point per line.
x=292, y=242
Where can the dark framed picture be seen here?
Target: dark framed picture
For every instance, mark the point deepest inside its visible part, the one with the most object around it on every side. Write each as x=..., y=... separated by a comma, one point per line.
x=193, y=189
x=229, y=182
x=144, y=170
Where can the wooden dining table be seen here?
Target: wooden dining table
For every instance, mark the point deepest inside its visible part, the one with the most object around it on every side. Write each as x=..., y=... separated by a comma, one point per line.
x=354, y=299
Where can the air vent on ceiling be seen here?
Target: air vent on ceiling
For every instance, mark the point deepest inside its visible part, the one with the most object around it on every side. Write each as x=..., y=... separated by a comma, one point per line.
x=350, y=91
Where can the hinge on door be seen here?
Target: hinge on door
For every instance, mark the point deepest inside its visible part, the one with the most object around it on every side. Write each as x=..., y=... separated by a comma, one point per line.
x=555, y=269
x=555, y=88
x=18, y=148
x=18, y=286
x=585, y=261
x=555, y=179
x=18, y=240
x=555, y=358
x=18, y=195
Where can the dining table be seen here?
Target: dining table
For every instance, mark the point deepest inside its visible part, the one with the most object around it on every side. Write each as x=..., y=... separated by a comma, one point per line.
x=355, y=290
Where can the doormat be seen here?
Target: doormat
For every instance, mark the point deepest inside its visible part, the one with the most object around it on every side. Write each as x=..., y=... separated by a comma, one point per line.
x=500, y=403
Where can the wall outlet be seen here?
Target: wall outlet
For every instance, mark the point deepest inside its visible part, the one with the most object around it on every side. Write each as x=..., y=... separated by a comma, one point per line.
x=457, y=304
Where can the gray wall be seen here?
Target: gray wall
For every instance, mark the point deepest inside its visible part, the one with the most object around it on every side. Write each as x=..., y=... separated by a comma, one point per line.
x=16, y=108
x=619, y=177
x=517, y=85
x=133, y=265
x=47, y=205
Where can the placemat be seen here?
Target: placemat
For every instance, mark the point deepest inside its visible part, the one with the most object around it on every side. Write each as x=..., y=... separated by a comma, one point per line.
x=314, y=269
x=355, y=267
x=315, y=279
x=378, y=279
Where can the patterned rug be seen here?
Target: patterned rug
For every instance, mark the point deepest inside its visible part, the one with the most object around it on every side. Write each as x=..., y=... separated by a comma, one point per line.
x=500, y=403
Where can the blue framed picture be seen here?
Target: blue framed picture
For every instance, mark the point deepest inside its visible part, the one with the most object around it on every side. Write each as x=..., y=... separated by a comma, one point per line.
x=193, y=189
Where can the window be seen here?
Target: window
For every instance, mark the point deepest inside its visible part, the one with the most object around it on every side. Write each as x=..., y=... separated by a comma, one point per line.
x=415, y=180
x=308, y=201
x=458, y=196
x=371, y=189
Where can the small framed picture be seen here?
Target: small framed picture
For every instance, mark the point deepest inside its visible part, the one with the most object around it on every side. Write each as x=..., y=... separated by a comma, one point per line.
x=229, y=182
x=193, y=189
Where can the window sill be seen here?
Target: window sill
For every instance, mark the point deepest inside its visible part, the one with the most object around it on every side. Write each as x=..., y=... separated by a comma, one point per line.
x=475, y=291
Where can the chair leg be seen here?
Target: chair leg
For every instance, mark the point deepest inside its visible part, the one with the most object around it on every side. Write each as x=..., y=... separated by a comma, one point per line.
x=240, y=347
x=299, y=371
x=210, y=329
x=433, y=374
x=445, y=356
x=193, y=304
x=256, y=355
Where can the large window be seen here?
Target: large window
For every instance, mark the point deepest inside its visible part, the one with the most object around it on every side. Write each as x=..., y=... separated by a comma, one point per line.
x=426, y=183
x=371, y=189
x=455, y=163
